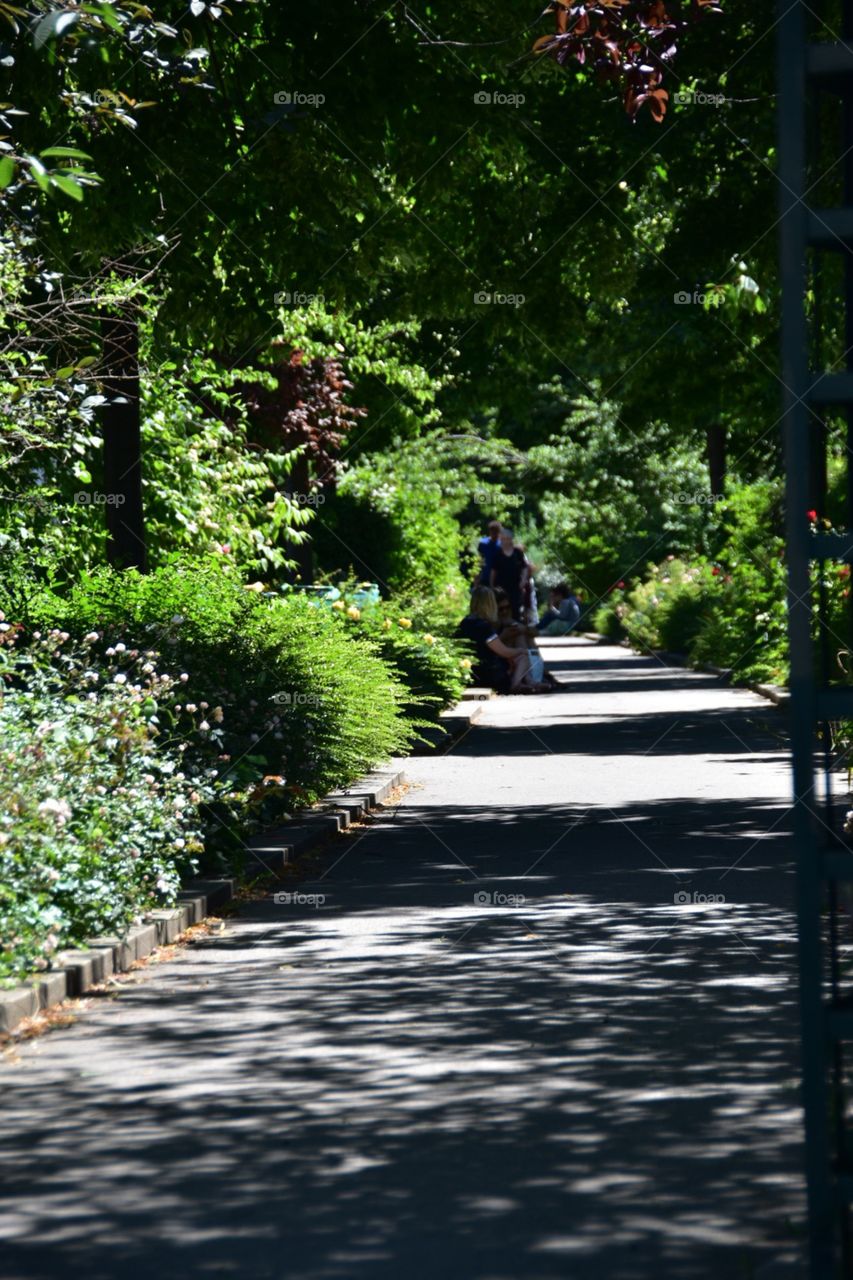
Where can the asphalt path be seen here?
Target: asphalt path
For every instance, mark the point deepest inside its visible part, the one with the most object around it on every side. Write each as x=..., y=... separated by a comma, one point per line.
x=538, y=1020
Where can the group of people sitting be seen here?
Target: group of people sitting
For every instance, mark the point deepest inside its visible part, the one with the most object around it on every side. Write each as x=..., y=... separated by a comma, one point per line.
x=503, y=619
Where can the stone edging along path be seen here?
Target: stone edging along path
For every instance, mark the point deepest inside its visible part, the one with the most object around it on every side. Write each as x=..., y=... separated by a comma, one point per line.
x=76, y=970
x=773, y=692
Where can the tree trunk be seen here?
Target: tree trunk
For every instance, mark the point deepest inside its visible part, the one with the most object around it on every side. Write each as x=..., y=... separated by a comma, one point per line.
x=120, y=419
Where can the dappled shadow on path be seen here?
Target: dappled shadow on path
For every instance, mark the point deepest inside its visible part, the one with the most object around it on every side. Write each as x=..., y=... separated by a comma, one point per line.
x=406, y=1081
x=515, y=1041
x=568, y=732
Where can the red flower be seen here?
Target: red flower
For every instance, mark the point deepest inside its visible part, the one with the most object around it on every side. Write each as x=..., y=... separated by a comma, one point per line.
x=620, y=585
x=811, y=515
x=715, y=572
x=844, y=571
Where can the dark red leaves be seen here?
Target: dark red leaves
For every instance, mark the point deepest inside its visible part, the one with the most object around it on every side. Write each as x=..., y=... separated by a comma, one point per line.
x=627, y=41
x=307, y=408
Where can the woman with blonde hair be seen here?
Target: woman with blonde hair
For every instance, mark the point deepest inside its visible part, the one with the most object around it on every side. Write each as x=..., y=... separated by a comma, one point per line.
x=497, y=665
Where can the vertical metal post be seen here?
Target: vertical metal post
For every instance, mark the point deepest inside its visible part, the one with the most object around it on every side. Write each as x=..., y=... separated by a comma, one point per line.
x=791, y=121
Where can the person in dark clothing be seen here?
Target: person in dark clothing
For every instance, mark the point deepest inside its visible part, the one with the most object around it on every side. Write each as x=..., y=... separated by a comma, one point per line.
x=509, y=571
x=497, y=666
x=515, y=633
x=488, y=548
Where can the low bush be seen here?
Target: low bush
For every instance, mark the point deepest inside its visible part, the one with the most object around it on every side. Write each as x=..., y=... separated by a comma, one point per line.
x=729, y=608
x=607, y=618
x=668, y=610
x=100, y=811
x=747, y=628
x=432, y=666
x=305, y=705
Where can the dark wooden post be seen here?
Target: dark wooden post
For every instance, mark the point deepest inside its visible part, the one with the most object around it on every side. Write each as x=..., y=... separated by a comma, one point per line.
x=120, y=419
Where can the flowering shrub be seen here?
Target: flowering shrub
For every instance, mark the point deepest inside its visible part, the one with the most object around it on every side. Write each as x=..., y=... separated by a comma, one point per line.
x=747, y=628
x=99, y=812
x=306, y=705
x=729, y=611
x=668, y=610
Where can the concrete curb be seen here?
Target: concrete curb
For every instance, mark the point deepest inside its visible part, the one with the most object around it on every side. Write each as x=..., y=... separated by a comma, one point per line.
x=772, y=692
x=79, y=969
x=337, y=811
x=452, y=724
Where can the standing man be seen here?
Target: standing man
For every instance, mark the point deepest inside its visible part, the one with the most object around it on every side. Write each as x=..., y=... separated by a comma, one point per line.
x=488, y=547
x=509, y=570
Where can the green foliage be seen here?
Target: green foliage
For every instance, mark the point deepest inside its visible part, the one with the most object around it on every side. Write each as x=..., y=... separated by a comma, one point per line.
x=729, y=613
x=99, y=809
x=611, y=497
x=382, y=360
x=747, y=630
x=607, y=618
x=668, y=610
x=430, y=665
x=204, y=486
x=303, y=702
x=392, y=521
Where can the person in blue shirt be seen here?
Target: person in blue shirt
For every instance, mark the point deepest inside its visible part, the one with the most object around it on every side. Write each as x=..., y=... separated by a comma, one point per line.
x=488, y=547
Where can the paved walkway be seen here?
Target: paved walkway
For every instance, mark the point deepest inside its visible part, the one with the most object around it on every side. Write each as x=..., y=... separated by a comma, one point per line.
x=425, y=1078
